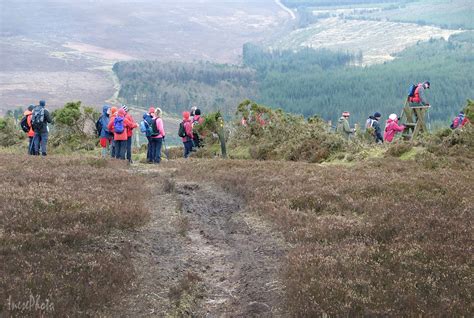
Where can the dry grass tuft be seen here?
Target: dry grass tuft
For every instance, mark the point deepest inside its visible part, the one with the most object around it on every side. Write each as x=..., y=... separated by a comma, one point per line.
x=383, y=237
x=56, y=213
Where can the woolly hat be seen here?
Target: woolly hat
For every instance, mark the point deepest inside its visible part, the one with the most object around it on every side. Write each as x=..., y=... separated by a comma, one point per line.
x=121, y=112
x=346, y=114
x=125, y=108
x=151, y=110
x=113, y=110
x=42, y=103
x=377, y=115
x=393, y=117
x=197, y=112
x=185, y=115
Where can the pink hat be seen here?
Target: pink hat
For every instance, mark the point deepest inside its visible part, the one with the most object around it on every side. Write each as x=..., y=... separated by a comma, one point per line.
x=151, y=110
x=121, y=112
x=346, y=114
x=186, y=115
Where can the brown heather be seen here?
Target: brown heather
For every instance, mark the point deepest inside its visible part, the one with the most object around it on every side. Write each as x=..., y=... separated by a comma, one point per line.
x=381, y=237
x=56, y=215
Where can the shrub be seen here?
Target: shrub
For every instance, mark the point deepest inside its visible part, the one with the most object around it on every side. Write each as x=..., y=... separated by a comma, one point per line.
x=276, y=135
x=379, y=238
x=399, y=148
x=10, y=134
x=56, y=215
x=74, y=127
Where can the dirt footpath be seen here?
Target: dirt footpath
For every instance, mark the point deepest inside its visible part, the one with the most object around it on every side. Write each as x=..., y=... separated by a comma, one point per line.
x=201, y=254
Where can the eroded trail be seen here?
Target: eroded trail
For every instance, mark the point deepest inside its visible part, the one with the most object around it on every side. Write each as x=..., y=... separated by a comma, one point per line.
x=202, y=254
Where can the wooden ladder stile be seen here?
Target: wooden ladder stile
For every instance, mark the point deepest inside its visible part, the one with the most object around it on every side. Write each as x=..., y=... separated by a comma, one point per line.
x=414, y=118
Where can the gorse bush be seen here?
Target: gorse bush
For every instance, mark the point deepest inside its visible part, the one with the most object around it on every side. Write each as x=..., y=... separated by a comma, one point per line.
x=74, y=127
x=276, y=135
x=10, y=134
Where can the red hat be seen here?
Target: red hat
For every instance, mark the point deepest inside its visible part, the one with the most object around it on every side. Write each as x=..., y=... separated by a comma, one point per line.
x=151, y=110
x=121, y=112
x=346, y=114
x=186, y=115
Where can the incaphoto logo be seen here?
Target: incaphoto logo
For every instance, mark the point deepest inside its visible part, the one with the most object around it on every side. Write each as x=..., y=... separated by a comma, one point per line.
x=32, y=303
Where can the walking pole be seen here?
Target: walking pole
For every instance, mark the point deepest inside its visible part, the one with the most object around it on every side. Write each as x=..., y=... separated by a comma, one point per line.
x=166, y=150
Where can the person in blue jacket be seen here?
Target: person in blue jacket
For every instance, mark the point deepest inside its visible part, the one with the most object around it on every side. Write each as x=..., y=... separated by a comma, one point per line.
x=104, y=134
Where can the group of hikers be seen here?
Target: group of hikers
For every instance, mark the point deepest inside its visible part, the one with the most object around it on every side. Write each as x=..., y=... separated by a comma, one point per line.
x=115, y=127
x=35, y=124
x=372, y=126
x=115, y=131
x=416, y=98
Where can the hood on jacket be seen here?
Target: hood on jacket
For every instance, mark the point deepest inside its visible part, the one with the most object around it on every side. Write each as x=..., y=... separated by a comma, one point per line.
x=105, y=109
x=341, y=119
x=121, y=112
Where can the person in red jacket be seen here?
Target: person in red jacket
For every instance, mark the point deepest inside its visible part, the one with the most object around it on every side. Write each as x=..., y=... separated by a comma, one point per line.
x=419, y=97
x=459, y=121
x=119, y=126
x=31, y=134
x=392, y=127
x=188, y=139
x=128, y=151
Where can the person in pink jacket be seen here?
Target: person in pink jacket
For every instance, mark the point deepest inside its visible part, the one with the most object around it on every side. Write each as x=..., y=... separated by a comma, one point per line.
x=392, y=127
x=157, y=141
x=188, y=139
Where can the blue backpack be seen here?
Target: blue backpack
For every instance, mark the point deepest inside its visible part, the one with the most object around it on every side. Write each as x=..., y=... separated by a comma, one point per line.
x=144, y=127
x=118, y=125
x=411, y=91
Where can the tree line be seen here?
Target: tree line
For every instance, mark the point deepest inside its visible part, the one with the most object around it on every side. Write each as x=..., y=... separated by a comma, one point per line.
x=309, y=82
x=176, y=86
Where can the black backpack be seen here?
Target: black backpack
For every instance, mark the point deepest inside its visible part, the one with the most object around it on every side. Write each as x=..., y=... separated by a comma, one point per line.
x=24, y=124
x=98, y=126
x=37, y=118
x=181, y=130
x=154, y=128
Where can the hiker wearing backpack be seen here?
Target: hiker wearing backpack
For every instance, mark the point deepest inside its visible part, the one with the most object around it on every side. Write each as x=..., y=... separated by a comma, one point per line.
x=157, y=136
x=130, y=129
x=102, y=130
x=417, y=95
x=197, y=120
x=119, y=126
x=375, y=125
x=459, y=121
x=186, y=133
x=26, y=126
x=145, y=127
x=39, y=122
x=343, y=126
x=392, y=127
